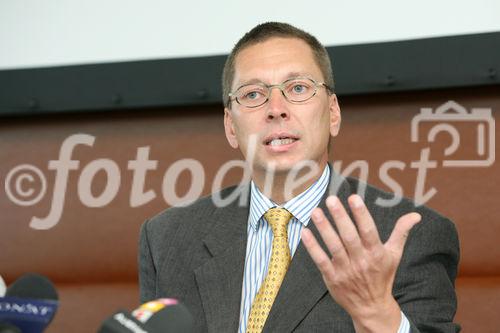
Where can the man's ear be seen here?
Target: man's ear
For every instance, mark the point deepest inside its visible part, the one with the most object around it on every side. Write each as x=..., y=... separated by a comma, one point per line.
x=335, y=118
x=229, y=128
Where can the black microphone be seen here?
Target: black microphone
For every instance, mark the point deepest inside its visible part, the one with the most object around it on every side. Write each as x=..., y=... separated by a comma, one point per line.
x=30, y=303
x=122, y=322
x=164, y=315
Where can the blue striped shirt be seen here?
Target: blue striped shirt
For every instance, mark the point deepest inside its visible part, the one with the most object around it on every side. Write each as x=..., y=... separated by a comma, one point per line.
x=260, y=237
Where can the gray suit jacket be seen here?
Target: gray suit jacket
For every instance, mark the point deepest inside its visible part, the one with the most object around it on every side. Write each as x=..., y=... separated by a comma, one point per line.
x=197, y=254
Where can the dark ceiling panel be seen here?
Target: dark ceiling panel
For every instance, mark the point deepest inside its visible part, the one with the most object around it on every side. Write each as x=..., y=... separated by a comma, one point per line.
x=444, y=62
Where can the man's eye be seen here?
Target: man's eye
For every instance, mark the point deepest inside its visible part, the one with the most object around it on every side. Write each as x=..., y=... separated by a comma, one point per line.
x=298, y=88
x=252, y=95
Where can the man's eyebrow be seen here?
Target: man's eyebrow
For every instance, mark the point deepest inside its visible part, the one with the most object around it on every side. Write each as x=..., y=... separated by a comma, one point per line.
x=289, y=75
x=251, y=81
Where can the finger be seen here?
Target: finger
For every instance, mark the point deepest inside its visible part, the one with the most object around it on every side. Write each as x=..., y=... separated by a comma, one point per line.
x=319, y=257
x=397, y=240
x=346, y=228
x=366, y=226
x=330, y=237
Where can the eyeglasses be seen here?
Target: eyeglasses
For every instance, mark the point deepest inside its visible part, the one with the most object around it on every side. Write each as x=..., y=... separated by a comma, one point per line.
x=295, y=90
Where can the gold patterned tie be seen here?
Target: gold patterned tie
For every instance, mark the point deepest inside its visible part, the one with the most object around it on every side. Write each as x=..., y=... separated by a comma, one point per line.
x=278, y=218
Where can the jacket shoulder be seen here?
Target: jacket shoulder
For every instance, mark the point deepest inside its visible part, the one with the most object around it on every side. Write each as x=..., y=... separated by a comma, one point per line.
x=192, y=216
x=387, y=202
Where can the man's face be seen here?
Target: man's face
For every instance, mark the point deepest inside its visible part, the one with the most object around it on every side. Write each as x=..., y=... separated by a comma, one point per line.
x=306, y=127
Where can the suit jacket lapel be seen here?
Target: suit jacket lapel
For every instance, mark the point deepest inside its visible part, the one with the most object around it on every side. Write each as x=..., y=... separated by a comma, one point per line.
x=220, y=278
x=303, y=285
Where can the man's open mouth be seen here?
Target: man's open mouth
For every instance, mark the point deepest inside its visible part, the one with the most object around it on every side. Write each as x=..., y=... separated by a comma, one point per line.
x=280, y=139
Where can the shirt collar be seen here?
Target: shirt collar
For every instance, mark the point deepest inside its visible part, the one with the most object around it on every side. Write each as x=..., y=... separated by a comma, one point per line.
x=300, y=206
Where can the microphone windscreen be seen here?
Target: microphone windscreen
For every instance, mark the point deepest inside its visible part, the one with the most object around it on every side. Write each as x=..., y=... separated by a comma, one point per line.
x=171, y=319
x=165, y=315
x=122, y=322
x=30, y=303
x=33, y=286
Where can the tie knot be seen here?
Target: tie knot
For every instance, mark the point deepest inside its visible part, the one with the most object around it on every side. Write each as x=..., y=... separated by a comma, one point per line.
x=278, y=218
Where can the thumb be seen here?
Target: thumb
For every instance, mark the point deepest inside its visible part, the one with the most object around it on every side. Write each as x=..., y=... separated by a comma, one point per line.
x=397, y=241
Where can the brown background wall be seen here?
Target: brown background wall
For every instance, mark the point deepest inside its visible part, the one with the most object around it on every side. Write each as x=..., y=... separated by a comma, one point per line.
x=91, y=253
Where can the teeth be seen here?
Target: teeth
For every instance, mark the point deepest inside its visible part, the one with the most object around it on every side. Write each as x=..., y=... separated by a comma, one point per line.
x=278, y=142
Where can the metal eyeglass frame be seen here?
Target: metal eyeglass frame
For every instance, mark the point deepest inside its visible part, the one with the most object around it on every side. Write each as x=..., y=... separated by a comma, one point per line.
x=281, y=86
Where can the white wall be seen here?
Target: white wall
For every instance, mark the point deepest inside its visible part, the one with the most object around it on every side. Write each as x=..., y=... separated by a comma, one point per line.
x=35, y=33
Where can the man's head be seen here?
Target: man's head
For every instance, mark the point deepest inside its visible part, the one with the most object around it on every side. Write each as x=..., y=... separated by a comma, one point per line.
x=265, y=31
x=286, y=132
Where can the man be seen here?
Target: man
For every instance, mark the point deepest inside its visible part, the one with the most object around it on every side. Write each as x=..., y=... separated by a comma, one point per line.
x=265, y=266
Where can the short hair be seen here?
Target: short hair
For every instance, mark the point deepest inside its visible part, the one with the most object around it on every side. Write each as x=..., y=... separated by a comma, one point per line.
x=265, y=31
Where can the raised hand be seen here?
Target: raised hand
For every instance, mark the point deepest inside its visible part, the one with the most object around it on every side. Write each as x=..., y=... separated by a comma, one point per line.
x=359, y=270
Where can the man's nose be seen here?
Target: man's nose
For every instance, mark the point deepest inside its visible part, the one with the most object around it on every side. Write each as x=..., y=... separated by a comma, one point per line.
x=277, y=105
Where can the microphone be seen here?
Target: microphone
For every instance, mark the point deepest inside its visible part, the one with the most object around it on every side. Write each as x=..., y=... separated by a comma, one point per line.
x=122, y=322
x=164, y=315
x=2, y=287
x=30, y=303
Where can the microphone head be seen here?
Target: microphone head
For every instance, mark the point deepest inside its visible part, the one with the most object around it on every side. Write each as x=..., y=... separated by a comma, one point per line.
x=33, y=286
x=122, y=322
x=165, y=315
x=30, y=304
x=3, y=288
